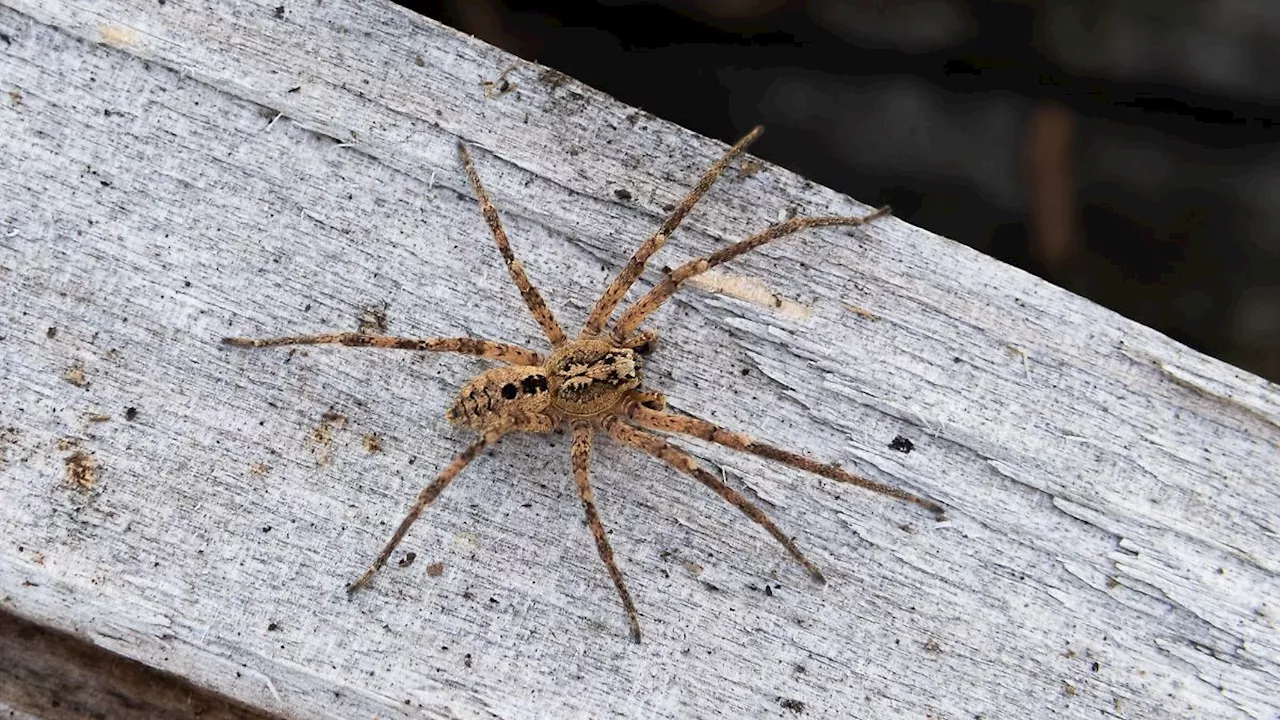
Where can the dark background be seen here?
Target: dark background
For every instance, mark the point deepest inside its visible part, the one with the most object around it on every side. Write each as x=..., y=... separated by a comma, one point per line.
x=1127, y=151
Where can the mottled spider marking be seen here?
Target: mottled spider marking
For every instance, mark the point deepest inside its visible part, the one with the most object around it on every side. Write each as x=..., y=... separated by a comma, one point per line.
x=589, y=377
x=495, y=393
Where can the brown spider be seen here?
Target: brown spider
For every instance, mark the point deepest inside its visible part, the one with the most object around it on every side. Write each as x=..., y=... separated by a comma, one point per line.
x=595, y=382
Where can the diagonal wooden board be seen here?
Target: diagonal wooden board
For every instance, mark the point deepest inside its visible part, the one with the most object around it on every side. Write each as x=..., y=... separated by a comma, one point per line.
x=172, y=173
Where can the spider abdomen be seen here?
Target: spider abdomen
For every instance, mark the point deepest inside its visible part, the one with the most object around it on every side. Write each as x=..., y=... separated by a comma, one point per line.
x=516, y=390
x=591, y=377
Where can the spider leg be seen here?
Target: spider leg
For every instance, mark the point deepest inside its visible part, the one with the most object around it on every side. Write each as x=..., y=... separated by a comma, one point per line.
x=682, y=461
x=532, y=298
x=642, y=342
x=627, y=276
x=581, y=477
x=642, y=308
x=648, y=398
x=467, y=346
x=432, y=491
x=704, y=430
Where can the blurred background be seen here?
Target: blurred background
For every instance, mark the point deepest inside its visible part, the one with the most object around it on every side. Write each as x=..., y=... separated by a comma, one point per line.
x=1128, y=151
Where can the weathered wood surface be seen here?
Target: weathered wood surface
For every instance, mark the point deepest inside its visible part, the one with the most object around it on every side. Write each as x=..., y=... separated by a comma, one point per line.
x=173, y=173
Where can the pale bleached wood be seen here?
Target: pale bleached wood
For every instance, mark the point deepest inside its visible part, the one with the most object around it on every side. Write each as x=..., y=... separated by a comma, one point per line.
x=173, y=173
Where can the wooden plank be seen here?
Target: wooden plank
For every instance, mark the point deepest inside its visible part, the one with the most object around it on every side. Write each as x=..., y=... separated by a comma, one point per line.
x=49, y=674
x=175, y=173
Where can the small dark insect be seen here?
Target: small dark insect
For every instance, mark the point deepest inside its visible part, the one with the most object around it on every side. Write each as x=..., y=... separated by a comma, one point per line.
x=594, y=382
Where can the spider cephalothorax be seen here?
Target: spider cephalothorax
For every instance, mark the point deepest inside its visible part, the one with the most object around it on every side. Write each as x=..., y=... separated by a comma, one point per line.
x=594, y=382
x=589, y=377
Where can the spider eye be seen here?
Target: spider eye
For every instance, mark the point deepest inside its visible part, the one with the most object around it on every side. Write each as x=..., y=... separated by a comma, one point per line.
x=509, y=391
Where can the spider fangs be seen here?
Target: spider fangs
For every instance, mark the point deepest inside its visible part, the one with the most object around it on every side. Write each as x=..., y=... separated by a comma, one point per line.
x=594, y=383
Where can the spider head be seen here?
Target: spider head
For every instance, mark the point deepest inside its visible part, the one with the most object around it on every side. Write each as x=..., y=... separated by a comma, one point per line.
x=519, y=389
x=591, y=377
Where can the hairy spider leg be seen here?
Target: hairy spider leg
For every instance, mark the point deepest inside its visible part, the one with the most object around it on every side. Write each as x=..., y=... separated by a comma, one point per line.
x=636, y=314
x=703, y=430
x=682, y=461
x=617, y=290
x=642, y=342
x=581, y=455
x=532, y=298
x=503, y=352
x=491, y=435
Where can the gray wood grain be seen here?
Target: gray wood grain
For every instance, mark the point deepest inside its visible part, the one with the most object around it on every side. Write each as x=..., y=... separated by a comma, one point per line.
x=173, y=173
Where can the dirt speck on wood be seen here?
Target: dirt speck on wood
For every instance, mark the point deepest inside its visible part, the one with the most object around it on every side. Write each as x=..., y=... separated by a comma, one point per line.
x=322, y=435
x=794, y=706
x=82, y=469
x=373, y=320
x=75, y=375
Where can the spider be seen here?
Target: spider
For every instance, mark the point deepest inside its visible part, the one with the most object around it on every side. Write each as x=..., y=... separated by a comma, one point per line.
x=594, y=382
